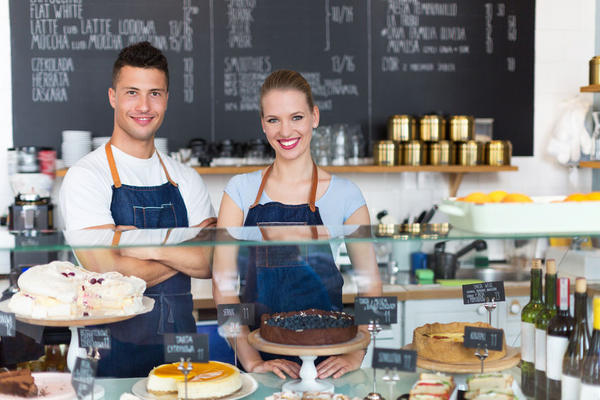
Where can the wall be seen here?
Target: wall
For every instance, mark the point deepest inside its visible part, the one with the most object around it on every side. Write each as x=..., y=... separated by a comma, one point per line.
x=565, y=41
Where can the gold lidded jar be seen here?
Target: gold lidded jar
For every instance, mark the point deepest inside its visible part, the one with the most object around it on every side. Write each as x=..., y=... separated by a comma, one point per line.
x=414, y=153
x=402, y=128
x=494, y=152
x=432, y=128
x=470, y=153
x=462, y=128
x=439, y=153
x=595, y=70
x=384, y=153
x=507, y=152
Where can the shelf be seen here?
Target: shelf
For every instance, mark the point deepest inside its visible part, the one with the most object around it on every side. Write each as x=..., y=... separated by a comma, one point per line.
x=590, y=89
x=456, y=171
x=589, y=164
x=359, y=169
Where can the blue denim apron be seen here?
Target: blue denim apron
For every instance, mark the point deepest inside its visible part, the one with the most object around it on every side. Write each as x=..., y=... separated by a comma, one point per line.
x=136, y=344
x=289, y=278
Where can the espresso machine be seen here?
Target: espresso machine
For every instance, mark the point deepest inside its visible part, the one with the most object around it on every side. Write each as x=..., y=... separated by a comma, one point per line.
x=30, y=212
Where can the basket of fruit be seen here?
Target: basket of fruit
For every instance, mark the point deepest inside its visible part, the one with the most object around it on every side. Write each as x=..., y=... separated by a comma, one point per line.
x=499, y=212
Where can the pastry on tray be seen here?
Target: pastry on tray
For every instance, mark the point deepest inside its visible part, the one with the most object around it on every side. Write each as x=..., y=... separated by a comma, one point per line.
x=490, y=386
x=444, y=343
x=308, y=328
x=432, y=387
x=18, y=383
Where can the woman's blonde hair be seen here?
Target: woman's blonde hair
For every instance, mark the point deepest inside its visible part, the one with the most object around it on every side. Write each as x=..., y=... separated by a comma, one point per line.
x=286, y=79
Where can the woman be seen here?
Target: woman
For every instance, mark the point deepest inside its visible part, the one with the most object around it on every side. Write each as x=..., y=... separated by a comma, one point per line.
x=292, y=191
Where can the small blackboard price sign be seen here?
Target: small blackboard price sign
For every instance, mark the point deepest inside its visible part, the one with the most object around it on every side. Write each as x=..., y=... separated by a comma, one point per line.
x=401, y=360
x=186, y=345
x=376, y=309
x=98, y=338
x=7, y=324
x=241, y=313
x=492, y=339
x=485, y=292
x=83, y=375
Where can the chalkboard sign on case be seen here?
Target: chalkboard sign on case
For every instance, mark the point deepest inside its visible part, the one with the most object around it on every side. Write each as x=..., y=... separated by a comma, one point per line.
x=492, y=339
x=186, y=345
x=98, y=338
x=485, y=292
x=7, y=324
x=241, y=313
x=376, y=309
x=365, y=60
x=401, y=360
x=83, y=376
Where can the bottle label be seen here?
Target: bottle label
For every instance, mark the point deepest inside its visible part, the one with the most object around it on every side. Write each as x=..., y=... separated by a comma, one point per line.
x=570, y=386
x=527, y=342
x=589, y=392
x=540, y=349
x=555, y=352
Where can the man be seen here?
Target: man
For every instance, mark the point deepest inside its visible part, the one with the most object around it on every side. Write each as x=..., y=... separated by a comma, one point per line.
x=127, y=184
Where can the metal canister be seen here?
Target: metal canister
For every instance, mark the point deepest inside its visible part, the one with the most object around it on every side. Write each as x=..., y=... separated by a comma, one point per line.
x=494, y=152
x=414, y=153
x=507, y=152
x=402, y=128
x=384, y=153
x=439, y=153
x=462, y=128
x=470, y=153
x=432, y=128
x=595, y=71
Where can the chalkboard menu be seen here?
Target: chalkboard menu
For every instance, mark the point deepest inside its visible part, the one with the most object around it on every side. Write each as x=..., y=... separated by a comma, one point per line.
x=365, y=60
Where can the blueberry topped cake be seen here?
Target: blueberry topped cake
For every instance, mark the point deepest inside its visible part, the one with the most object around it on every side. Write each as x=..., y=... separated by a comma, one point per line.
x=308, y=328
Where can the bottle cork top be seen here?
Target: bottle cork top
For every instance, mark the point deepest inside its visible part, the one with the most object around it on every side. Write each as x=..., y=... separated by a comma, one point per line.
x=550, y=266
x=536, y=263
x=580, y=285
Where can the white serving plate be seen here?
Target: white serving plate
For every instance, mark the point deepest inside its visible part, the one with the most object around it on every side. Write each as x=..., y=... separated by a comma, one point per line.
x=56, y=386
x=546, y=215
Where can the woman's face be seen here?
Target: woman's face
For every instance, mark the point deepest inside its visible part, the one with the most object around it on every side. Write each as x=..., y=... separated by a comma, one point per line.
x=288, y=122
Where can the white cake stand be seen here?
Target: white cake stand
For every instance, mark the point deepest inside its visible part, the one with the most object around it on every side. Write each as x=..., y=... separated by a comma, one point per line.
x=308, y=381
x=74, y=349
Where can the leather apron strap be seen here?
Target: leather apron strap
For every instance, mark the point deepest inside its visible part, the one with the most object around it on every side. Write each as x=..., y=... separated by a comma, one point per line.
x=313, y=187
x=115, y=174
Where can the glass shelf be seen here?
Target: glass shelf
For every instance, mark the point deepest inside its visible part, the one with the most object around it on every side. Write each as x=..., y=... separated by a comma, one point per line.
x=248, y=236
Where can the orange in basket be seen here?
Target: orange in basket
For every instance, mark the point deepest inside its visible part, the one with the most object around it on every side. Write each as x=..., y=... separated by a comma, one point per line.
x=594, y=196
x=497, y=196
x=517, y=198
x=576, y=197
x=476, y=197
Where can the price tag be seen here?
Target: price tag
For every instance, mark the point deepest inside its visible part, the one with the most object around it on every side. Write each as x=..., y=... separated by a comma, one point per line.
x=492, y=339
x=379, y=309
x=94, y=338
x=401, y=360
x=240, y=313
x=7, y=324
x=83, y=375
x=478, y=293
x=186, y=345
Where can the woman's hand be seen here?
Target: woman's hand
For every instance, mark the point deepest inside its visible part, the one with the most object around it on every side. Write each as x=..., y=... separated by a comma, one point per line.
x=337, y=366
x=279, y=367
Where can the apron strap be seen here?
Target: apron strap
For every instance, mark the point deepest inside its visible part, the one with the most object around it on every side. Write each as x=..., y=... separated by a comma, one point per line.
x=313, y=187
x=116, y=238
x=115, y=173
x=112, y=166
x=263, y=182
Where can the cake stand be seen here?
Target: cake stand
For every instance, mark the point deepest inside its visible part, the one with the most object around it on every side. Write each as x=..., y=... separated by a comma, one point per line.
x=308, y=381
x=74, y=349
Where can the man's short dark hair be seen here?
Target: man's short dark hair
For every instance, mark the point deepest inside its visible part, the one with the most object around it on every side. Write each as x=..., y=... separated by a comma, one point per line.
x=140, y=55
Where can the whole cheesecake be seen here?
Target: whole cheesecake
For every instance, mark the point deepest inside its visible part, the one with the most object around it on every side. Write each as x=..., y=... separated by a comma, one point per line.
x=308, y=328
x=205, y=381
x=444, y=343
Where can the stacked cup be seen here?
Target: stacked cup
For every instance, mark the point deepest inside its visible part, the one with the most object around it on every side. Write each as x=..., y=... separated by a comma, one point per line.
x=161, y=144
x=75, y=144
x=99, y=141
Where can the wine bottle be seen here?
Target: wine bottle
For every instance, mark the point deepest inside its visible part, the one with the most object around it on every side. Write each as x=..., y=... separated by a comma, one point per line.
x=559, y=330
x=528, y=315
x=541, y=325
x=578, y=345
x=590, y=377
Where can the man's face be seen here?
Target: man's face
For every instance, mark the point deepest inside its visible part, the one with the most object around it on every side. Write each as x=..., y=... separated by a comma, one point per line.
x=139, y=99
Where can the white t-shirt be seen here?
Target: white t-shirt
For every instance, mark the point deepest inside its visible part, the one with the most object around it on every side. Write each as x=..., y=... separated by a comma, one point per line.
x=86, y=192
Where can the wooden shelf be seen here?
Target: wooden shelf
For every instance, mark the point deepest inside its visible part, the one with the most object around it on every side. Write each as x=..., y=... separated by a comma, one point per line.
x=456, y=171
x=589, y=164
x=359, y=169
x=590, y=89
